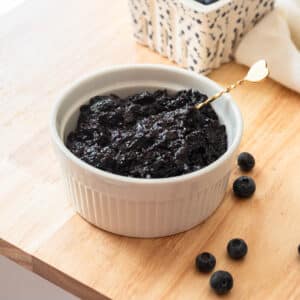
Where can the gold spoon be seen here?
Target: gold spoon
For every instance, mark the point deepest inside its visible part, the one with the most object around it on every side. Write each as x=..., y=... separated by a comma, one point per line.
x=257, y=72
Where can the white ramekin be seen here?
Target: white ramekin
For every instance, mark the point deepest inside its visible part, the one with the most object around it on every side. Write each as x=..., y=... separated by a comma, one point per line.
x=143, y=207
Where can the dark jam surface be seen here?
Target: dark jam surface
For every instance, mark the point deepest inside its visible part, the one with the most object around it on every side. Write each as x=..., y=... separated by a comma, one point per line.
x=148, y=135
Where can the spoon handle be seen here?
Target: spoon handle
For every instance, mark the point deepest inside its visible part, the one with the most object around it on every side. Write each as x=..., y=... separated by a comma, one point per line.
x=216, y=96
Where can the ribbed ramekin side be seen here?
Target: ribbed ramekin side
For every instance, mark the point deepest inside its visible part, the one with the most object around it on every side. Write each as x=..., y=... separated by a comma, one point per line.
x=153, y=218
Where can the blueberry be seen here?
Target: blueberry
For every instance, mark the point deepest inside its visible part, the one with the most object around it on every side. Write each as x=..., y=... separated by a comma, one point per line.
x=246, y=161
x=237, y=248
x=205, y=262
x=101, y=103
x=244, y=187
x=299, y=249
x=207, y=2
x=221, y=282
x=143, y=98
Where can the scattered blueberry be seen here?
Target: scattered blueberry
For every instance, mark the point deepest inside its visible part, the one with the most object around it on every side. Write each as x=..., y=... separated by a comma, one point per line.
x=237, y=248
x=205, y=262
x=221, y=282
x=244, y=187
x=299, y=249
x=246, y=161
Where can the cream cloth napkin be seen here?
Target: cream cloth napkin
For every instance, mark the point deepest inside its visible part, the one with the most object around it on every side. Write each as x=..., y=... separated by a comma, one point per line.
x=275, y=39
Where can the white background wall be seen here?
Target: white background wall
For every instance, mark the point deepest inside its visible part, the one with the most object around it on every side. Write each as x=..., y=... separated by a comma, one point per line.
x=16, y=283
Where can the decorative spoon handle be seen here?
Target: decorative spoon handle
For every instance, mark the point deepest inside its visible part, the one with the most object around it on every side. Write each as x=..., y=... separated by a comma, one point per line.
x=218, y=95
x=256, y=73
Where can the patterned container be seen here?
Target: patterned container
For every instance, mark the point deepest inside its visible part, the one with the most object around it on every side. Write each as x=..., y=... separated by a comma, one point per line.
x=196, y=36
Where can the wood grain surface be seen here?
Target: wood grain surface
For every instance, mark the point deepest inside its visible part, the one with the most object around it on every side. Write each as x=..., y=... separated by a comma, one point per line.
x=46, y=45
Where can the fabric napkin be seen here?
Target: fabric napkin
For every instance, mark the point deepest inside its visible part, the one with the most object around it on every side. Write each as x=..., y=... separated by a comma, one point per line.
x=291, y=11
x=275, y=39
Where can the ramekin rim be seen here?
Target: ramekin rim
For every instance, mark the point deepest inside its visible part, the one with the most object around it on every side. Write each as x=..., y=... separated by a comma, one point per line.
x=62, y=147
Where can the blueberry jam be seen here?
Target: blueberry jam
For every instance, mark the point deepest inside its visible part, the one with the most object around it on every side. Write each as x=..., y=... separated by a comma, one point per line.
x=148, y=135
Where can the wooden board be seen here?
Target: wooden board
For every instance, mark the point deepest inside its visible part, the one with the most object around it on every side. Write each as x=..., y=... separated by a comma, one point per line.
x=44, y=46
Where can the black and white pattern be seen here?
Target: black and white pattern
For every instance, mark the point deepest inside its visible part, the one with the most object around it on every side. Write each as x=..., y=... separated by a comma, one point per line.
x=200, y=39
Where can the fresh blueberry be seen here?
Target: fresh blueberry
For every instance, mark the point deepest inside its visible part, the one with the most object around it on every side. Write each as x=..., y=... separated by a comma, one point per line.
x=221, y=282
x=237, y=248
x=207, y=2
x=246, y=161
x=299, y=249
x=244, y=187
x=205, y=262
